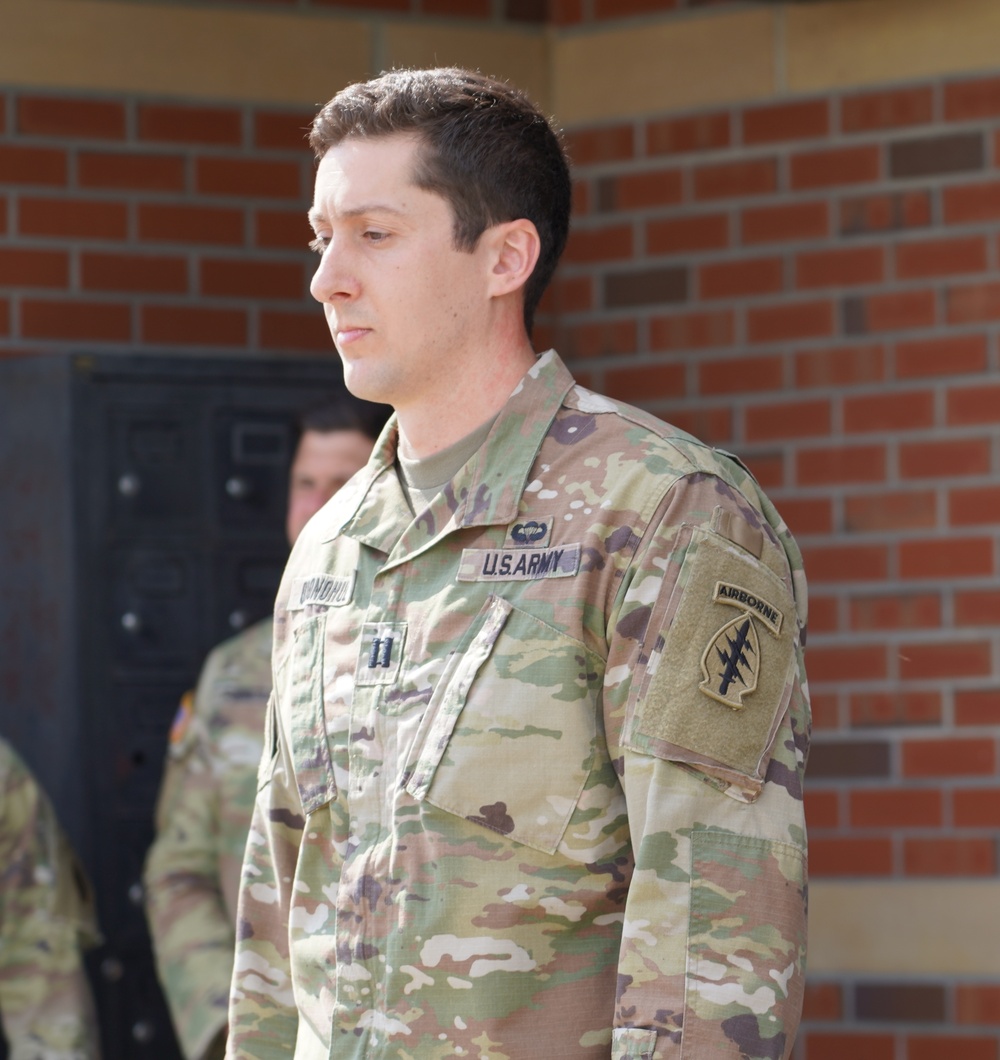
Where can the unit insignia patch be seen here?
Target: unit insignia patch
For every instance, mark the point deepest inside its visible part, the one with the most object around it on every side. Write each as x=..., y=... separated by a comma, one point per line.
x=737, y=596
x=731, y=662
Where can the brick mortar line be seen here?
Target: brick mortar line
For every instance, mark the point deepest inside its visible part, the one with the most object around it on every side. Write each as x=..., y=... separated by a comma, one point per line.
x=795, y=246
x=895, y=638
x=922, y=732
x=145, y=197
x=837, y=193
x=803, y=346
x=836, y=98
x=989, y=228
x=878, y=588
x=734, y=254
x=848, y=594
x=789, y=149
x=178, y=299
x=155, y=148
x=191, y=253
x=794, y=393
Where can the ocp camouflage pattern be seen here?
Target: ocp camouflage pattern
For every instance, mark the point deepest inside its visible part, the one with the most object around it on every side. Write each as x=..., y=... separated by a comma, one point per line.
x=46, y=920
x=500, y=813
x=202, y=818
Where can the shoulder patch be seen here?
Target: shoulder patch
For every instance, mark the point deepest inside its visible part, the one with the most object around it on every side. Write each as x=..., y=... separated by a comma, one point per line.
x=745, y=599
x=181, y=725
x=731, y=663
x=716, y=684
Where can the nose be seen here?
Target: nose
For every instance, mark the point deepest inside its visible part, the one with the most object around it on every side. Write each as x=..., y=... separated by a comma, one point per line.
x=333, y=279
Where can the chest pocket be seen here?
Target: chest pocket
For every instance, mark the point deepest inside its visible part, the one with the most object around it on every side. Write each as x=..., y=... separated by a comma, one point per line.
x=508, y=738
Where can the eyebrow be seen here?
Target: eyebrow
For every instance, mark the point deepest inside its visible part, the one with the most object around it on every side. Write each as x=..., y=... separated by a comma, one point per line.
x=317, y=217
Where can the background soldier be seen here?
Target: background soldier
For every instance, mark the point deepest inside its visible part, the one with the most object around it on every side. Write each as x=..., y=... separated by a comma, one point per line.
x=46, y=919
x=206, y=798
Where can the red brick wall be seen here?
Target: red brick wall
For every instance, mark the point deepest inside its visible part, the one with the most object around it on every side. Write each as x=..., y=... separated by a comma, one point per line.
x=815, y=284
x=142, y=224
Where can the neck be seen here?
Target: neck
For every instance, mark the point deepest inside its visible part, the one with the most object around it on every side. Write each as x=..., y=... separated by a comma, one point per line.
x=477, y=396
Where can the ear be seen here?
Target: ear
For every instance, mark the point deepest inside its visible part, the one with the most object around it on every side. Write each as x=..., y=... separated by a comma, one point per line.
x=515, y=248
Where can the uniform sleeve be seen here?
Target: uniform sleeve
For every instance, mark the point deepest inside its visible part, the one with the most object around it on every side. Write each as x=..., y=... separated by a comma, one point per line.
x=708, y=720
x=192, y=932
x=46, y=919
x=263, y=1018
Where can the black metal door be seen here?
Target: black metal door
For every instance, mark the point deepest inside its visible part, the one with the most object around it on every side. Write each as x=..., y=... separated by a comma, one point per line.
x=141, y=522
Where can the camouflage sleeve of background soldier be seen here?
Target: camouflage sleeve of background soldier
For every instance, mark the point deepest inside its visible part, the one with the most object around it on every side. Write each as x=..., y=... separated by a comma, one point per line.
x=193, y=936
x=263, y=1019
x=46, y=918
x=707, y=714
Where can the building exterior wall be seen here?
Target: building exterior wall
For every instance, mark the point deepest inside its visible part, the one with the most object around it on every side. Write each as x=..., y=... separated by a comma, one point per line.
x=812, y=283
x=787, y=240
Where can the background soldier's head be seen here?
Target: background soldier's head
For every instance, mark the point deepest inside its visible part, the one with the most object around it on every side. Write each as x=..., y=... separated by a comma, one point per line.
x=335, y=440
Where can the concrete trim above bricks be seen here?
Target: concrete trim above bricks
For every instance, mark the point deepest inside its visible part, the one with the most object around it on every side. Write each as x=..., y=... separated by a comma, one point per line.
x=912, y=928
x=244, y=55
x=584, y=70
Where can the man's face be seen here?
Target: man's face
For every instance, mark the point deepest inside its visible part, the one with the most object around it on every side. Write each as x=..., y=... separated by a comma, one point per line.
x=324, y=461
x=399, y=299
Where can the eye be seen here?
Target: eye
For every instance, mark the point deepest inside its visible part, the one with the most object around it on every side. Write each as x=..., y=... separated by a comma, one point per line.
x=373, y=235
x=319, y=244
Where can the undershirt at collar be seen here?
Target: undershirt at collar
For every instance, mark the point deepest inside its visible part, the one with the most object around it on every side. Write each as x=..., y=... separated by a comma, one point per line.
x=422, y=480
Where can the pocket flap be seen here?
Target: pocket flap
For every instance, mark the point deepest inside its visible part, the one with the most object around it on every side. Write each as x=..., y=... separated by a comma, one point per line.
x=310, y=745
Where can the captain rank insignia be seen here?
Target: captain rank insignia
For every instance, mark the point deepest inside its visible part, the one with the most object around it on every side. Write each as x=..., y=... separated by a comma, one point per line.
x=381, y=653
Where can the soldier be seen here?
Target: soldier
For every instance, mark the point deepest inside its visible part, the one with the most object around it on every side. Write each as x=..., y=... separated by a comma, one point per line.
x=533, y=777
x=46, y=919
x=206, y=798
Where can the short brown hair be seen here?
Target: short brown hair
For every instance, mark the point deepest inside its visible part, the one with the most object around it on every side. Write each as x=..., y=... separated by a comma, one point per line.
x=488, y=151
x=344, y=412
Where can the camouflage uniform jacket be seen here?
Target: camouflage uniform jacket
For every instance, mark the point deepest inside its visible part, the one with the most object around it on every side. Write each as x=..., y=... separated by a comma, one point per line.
x=203, y=816
x=46, y=918
x=533, y=777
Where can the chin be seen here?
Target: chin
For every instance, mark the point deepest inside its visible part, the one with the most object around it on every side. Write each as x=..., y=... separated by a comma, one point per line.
x=366, y=384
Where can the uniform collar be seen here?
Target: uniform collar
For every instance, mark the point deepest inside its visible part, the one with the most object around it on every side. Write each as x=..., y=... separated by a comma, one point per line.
x=486, y=491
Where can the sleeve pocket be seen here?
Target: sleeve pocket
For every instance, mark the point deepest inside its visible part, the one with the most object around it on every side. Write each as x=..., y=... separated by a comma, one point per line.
x=746, y=947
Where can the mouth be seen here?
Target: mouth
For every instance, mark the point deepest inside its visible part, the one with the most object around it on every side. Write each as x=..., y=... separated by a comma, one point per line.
x=345, y=336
